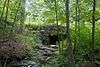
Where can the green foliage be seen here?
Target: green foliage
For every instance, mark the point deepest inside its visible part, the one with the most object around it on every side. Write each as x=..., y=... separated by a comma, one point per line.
x=41, y=15
x=36, y=40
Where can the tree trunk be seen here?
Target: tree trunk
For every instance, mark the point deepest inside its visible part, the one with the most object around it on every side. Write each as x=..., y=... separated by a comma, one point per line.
x=3, y=10
x=7, y=10
x=71, y=62
x=93, y=35
x=77, y=28
x=17, y=11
